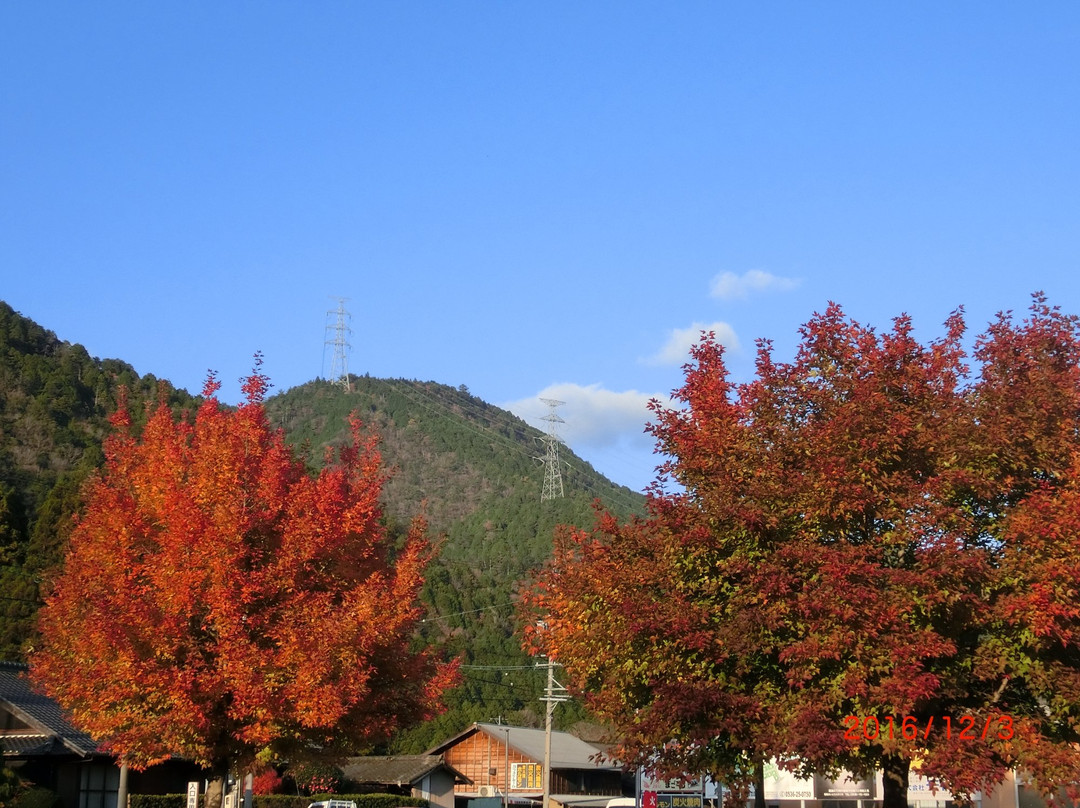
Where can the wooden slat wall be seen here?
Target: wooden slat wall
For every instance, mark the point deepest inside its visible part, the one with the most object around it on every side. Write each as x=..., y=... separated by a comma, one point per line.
x=476, y=755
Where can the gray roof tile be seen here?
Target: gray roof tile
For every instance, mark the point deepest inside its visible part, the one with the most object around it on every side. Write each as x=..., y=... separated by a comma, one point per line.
x=39, y=712
x=567, y=751
x=397, y=769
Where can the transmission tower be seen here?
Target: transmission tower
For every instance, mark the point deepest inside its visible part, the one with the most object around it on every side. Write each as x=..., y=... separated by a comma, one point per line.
x=339, y=368
x=553, y=486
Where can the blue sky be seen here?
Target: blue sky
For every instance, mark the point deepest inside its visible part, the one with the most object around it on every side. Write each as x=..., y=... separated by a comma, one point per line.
x=531, y=199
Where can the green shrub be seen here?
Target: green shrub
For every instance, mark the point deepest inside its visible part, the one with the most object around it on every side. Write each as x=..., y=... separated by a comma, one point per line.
x=361, y=800
x=36, y=798
x=316, y=778
x=159, y=800
x=9, y=786
x=280, y=801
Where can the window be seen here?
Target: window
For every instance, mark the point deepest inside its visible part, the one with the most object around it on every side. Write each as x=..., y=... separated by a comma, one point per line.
x=99, y=786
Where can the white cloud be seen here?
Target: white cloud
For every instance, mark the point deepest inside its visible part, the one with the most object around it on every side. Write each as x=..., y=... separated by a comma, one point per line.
x=729, y=286
x=594, y=417
x=676, y=350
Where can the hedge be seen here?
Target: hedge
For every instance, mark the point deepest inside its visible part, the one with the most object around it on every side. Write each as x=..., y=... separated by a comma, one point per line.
x=37, y=798
x=157, y=800
x=361, y=800
x=286, y=800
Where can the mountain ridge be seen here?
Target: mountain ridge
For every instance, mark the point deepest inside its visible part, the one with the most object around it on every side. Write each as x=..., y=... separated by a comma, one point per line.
x=472, y=469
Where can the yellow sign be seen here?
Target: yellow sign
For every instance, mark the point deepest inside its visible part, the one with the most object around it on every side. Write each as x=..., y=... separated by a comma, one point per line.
x=678, y=801
x=527, y=775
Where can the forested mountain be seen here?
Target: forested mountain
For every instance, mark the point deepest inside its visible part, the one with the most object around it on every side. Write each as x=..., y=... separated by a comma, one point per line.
x=474, y=471
x=471, y=469
x=54, y=405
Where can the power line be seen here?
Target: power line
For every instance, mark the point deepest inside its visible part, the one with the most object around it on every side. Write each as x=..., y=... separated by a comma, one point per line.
x=500, y=667
x=23, y=600
x=481, y=424
x=491, y=608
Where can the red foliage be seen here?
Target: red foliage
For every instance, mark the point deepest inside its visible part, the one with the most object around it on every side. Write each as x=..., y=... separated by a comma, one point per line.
x=218, y=599
x=267, y=781
x=865, y=531
x=316, y=778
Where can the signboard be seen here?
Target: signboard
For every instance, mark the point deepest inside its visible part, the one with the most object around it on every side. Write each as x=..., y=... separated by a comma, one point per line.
x=674, y=786
x=192, y=795
x=655, y=799
x=845, y=787
x=678, y=801
x=527, y=776
x=781, y=784
x=920, y=788
x=923, y=789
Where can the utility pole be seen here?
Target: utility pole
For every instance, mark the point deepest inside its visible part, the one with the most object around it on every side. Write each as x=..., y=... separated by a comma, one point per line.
x=553, y=695
x=553, y=486
x=506, y=771
x=339, y=369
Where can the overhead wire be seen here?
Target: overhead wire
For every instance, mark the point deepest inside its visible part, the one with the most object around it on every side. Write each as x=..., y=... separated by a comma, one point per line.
x=493, y=607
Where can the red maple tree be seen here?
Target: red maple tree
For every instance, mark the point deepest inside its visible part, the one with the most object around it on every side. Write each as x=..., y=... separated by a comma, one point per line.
x=859, y=544
x=220, y=601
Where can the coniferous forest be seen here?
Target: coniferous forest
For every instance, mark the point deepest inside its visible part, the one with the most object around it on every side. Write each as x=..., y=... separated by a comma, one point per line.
x=471, y=469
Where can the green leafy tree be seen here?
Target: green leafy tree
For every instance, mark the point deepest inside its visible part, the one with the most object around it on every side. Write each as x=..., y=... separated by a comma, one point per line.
x=12, y=526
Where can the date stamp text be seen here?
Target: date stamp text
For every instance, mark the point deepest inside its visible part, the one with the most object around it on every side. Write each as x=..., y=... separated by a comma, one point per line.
x=910, y=728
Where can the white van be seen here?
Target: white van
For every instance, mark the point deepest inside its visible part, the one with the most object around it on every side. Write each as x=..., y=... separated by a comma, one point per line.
x=333, y=804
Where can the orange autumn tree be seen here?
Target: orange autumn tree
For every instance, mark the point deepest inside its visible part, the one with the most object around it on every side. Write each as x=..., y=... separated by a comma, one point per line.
x=869, y=559
x=219, y=601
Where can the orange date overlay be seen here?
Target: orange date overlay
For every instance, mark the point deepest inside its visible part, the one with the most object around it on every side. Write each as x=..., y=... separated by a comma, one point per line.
x=965, y=728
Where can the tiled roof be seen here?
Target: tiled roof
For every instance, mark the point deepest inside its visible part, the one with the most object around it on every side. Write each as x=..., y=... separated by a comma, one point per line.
x=14, y=744
x=567, y=751
x=39, y=712
x=394, y=769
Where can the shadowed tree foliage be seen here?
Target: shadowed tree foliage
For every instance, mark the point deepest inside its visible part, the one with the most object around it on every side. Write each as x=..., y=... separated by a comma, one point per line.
x=869, y=558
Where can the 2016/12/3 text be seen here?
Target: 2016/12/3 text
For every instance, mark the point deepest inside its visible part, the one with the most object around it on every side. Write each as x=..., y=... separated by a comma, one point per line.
x=965, y=727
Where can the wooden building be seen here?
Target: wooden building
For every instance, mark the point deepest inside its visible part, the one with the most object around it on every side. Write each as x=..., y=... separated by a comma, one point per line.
x=507, y=763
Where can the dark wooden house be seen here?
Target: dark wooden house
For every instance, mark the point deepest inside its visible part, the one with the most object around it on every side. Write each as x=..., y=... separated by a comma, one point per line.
x=38, y=743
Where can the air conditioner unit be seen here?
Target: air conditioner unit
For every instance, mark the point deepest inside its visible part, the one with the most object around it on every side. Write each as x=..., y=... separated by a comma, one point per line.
x=488, y=791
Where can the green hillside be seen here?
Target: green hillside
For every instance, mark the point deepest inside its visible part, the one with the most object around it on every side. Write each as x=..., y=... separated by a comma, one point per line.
x=471, y=468
x=474, y=471
x=54, y=404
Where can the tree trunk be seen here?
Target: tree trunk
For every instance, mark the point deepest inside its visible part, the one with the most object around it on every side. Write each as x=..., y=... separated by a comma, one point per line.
x=122, y=789
x=895, y=782
x=215, y=792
